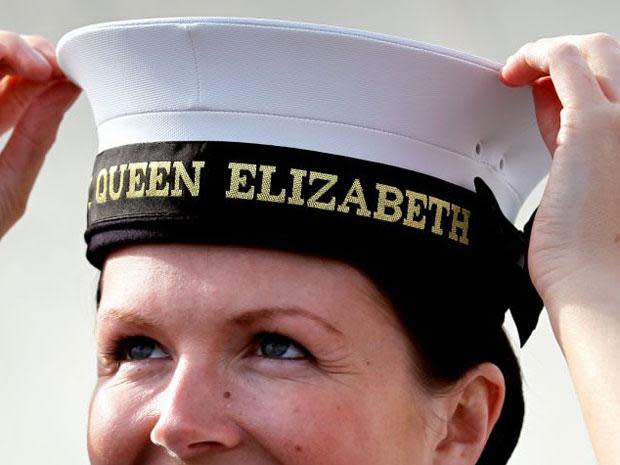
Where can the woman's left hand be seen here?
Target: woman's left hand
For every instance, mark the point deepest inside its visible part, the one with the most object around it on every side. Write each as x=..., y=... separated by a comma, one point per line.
x=574, y=254
x=575, y=239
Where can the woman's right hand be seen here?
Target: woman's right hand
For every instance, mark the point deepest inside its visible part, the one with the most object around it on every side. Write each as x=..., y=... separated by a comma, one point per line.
x=34, y=95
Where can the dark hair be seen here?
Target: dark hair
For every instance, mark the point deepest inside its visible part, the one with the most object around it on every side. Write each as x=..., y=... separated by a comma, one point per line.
x=453, y=338
x=440, y=365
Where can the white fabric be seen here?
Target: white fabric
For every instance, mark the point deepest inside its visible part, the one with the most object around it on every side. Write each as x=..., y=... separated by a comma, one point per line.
x=337, y=90
x=512, y=333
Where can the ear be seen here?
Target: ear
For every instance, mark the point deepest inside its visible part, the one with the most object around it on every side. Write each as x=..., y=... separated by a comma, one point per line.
x=470, y=410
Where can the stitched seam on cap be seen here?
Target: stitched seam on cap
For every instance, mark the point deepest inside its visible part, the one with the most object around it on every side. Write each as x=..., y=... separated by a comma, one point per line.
x=198, y=82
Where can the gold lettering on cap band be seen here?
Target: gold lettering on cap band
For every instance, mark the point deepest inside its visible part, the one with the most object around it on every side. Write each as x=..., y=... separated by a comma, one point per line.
x=314, y=201
x=237, y=181
x=393, y=203
x=265, y=191
x=192, y=185
x=414, y=217
x=390, y=199
x=156, y=178
x=136, y=181
x=101, y=191
x=298, y=180
x=440, y=206
x=312, y=189
x=355, y=196
x=116, y=194
x=463, y=225
x=146, y=179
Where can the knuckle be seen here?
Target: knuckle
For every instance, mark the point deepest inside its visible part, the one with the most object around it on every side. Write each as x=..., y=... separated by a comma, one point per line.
x=33, y=37
x=528, y=48
x=36, y=40
x=32, y=143
x=565, y=50
x=545, y=43
x=602, y=40
x=526, y=52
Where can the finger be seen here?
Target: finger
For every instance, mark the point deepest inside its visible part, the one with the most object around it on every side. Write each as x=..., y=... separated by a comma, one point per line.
x=521, y=69
x=47, y=49
x=602, y=52
x=574, y=81
x=16, y=94
x=22, y=58
x=23, y=156
x=548, y=107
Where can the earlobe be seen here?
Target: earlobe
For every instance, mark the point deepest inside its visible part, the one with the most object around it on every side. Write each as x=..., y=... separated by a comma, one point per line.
x=471, y=410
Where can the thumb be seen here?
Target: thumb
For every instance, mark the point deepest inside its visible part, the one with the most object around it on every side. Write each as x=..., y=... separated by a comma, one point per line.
x=548, y=107
x=32, y=137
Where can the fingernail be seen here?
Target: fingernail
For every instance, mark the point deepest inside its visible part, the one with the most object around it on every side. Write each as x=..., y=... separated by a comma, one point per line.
x=40, y=59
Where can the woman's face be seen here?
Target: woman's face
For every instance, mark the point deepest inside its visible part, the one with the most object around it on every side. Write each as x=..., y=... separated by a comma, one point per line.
x=230, y=355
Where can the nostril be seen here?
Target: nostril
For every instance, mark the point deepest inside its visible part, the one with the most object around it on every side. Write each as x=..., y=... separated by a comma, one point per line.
x=194, y=450
x=205, y=445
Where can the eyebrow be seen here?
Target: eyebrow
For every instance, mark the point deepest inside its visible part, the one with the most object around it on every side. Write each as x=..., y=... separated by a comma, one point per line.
x=250, y=317
x=244, y=319
x=133, y=319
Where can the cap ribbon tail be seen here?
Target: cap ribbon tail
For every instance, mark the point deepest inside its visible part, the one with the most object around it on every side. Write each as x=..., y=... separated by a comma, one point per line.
x=509, y=248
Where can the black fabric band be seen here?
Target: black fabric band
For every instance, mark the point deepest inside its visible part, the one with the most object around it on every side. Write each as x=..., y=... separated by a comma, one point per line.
x=392, y=222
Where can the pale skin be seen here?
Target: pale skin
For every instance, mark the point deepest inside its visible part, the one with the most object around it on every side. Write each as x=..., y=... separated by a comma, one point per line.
x=209, y=386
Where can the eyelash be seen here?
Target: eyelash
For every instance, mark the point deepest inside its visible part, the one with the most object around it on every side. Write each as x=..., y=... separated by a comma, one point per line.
x=119, y=347
x=261, y=336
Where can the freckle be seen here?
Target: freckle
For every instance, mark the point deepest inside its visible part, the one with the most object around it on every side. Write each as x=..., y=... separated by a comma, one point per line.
x=617, y=239
x=337, y=407
x=298, y=448
x=367, y=362
x=226, y=395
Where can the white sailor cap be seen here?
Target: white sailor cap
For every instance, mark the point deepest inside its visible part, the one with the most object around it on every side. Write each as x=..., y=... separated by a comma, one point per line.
x=334, y=132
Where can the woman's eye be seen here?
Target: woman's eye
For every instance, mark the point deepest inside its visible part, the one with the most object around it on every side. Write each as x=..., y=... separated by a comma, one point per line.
x=273, y=345
x=139, y=348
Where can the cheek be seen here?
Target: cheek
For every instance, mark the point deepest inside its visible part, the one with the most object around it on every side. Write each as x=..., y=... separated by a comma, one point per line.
x=119, y=425
x=306, y=428
x=330, y=425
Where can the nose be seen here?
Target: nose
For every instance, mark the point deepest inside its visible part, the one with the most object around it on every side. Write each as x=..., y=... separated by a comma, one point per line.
x=193, y=415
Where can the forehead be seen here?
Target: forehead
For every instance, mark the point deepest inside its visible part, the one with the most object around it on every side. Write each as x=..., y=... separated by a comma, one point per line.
x=230, y=277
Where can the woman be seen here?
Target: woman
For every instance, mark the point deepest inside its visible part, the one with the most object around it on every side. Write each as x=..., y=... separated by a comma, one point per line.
x=283, y=373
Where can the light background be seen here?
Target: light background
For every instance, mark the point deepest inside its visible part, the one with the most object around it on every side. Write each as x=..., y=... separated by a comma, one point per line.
x=47, y=288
